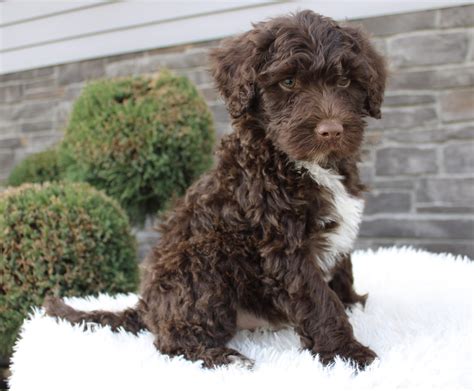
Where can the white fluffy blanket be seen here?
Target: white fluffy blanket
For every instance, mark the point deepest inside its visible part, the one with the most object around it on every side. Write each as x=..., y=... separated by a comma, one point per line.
x=418, y=318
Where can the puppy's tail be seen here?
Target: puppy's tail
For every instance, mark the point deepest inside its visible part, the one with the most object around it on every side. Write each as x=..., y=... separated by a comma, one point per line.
x=128, y=319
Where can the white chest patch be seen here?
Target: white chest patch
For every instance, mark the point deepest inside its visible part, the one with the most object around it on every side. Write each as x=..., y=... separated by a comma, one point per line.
x=347, y=212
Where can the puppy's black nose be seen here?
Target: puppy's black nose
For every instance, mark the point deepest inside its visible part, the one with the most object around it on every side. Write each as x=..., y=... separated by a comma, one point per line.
x=329, y=129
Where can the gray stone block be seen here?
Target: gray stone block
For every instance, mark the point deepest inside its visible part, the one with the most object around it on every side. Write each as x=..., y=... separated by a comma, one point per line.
x=197, y=76
x=10, y=142
x=366, y=172
x=9, y=130
x=394, y=24
x=459, y=76
x=35, y=111
x=219, y=113
x=405, y=161
x=63, y=110
x=428, y=49
x=412, y=228
x=73, y=91
x=471, y=55
x=460, y=132
x=125, y=56
x=462, y=248
x=7, y=114
x=393, y=184
x=129, y=67
x=457, y=17
x=146, y=239
x=408, y=99
x=373, y=244
x=7, y=160
x=362, y=244
x=189, y=59
x=459, y=158
x=31, y=127
x=446, y=209
x=392, y=202
x=380, y=45
x=209, y=44
x=210, y=94
x=447, y=191
x=372, y=137
x=81, y=71
x=17, y=76
x=456, y=247
x=457, y=105
x=405, y=118
x=11, y=93
x=37, y=142
x=367, y=155
x=42, y=89
x=222, y=129
x=28, y=75
x=45, y=72
x=417, y=136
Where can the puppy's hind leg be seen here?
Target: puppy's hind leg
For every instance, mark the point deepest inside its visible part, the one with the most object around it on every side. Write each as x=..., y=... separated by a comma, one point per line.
x=201, y=339
x=196, y=319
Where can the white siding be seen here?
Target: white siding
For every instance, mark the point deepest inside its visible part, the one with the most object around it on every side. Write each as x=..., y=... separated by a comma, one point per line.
x=37, y=34
x=18, y=11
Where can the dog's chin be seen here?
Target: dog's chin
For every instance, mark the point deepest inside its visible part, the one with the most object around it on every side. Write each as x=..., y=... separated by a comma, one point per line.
x=324, y=153
x=329, y=159
x=330, y=154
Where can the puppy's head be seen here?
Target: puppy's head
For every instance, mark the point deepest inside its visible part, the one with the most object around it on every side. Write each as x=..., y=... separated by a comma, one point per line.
x=310, y=81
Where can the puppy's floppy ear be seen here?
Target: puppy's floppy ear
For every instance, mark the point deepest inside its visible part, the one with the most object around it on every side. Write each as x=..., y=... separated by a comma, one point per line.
x=374, y=68
x=234, y=66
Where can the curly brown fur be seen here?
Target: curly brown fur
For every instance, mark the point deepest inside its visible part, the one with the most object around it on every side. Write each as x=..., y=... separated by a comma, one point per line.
x=265, y=237
x=129, y=319
x=342, y=281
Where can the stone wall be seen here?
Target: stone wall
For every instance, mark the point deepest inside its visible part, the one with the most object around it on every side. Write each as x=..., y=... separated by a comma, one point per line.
x=418, y=160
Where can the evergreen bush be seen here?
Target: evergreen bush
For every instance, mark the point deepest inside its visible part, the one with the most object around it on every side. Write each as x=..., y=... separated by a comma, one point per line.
x=141, y=140
x=61, y=239
x=36, y=168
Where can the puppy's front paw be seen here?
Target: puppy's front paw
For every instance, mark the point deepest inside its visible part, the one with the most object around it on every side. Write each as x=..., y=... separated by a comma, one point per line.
x=361, y=356
x=241, y=361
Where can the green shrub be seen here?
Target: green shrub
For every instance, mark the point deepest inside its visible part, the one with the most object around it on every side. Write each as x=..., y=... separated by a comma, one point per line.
x=141, y=140
x=37, y=168
x=65, y=239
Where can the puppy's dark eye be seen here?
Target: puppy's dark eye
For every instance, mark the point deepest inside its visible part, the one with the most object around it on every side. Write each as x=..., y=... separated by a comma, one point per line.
x=288, y=83
x=343, y=82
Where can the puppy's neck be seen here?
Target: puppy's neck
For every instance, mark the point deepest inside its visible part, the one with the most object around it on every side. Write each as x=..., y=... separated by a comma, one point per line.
x=249, y=129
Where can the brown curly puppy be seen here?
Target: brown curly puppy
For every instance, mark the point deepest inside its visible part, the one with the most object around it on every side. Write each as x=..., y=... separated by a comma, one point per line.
x=265, y=237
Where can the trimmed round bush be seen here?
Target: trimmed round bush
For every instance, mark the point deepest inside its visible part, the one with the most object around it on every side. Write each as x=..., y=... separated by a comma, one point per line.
x=61, y=239
x=36, y=168
x=141, y=140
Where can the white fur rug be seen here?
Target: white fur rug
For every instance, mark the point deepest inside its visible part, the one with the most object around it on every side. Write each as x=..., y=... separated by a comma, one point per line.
x=418, y=318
